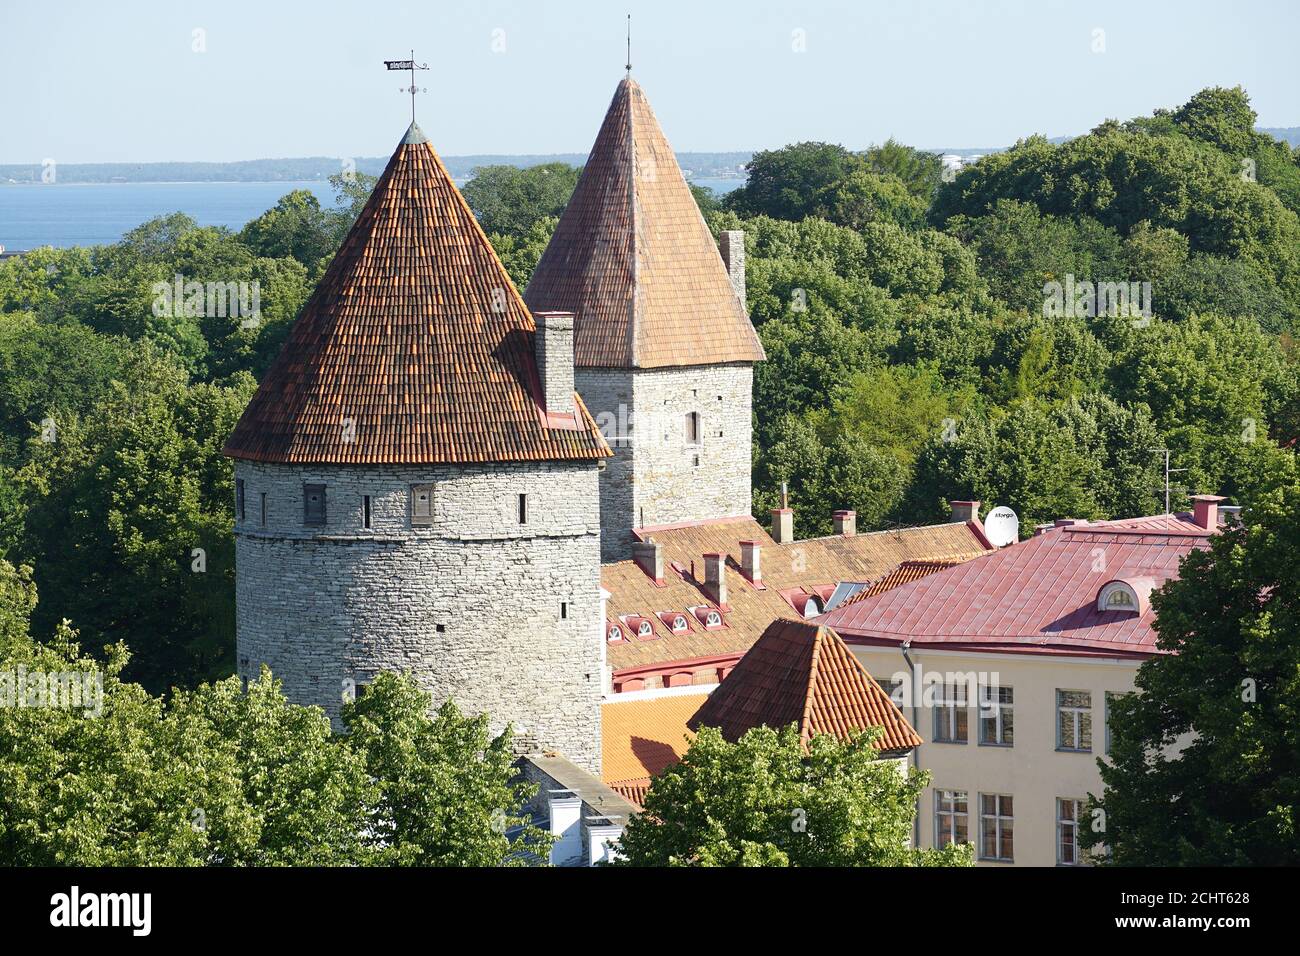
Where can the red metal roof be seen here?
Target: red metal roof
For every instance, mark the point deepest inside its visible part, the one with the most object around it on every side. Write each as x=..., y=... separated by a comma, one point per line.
x=1037, y=595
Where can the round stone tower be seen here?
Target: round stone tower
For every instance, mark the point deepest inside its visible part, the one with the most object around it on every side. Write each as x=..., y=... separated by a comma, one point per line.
x=416, y=483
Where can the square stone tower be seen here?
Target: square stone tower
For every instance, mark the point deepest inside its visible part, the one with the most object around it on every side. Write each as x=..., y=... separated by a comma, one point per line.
x=416, y=482
x=663, y=347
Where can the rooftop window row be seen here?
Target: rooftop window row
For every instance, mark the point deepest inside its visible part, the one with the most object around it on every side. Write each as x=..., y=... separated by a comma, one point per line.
x=677, y=622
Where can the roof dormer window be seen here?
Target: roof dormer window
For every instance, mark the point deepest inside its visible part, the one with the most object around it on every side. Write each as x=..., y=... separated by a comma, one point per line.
x=1125, y=595
x=615, y=634
x=675, y=621
x=644, y=628
x=710, y=617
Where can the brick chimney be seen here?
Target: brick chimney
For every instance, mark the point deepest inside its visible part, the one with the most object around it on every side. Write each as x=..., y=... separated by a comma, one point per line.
x=1205, y=511
x=846, y=523
x=554, y=352
x=649, y=556
x=732, y=246
x=715, y=578
x=965, y=510
x=782, y=525
x=750, y=553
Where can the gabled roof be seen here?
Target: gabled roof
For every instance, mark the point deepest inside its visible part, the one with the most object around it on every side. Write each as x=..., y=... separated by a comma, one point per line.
x=808, y=563
x=414, y=348
x=633, y=259
x=801, y=673
x=1039, y=595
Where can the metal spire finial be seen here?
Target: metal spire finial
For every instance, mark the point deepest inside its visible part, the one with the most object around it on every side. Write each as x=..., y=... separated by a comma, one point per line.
x=412, y=89
x=629, y=44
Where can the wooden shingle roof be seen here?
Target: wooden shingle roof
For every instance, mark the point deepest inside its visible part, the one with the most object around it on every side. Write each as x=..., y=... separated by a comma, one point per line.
x=801, y=673
x=633, y=259
x=415, y=348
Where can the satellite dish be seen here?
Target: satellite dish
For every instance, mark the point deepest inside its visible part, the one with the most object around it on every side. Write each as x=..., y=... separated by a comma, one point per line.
x=1001, y=527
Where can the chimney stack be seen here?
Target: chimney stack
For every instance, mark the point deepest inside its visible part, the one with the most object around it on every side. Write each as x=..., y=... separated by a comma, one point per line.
x=783, y=520
x=1205, y=511
x=846, y=523
x=554, y=353
x=732, y=246
x=715, y=578
x=649, y=555
x=750, y=552
x=965, y=510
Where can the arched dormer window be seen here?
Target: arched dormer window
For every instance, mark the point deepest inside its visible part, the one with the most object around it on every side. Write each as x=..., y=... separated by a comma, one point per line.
x=811, y=607
x=615, y=633
x=679, y=624
x=644, y=629
x=1125, y=595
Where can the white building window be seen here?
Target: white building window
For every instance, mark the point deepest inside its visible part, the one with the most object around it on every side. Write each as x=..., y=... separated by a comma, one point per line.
x=950, y=714
x=997, y=716
x=950, y=817
x=997, y=828
x=1074, y=720
x=1069, y=814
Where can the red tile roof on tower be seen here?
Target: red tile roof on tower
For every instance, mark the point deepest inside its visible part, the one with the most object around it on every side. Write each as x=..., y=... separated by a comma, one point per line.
x=633, y=259
x=801, y=673
x=1037, y=596
x=415, y=347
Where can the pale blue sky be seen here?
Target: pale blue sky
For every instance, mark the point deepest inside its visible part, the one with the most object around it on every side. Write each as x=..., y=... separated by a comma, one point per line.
x=100, y=82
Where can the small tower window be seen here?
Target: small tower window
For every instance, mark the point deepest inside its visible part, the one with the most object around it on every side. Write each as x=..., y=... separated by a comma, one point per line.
x=239, y=498
x=564, y=610
x=313, y=501
x=692, y=428
x=264, y=509
x=523, y=509
x=365, y=511
x=422, y=504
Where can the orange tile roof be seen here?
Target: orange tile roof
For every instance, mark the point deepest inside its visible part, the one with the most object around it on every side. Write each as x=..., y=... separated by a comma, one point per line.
x=635, y=262
x=905, y=572
x=801, y=673
x=639, y=738
x=799, y=564
x=414, y=348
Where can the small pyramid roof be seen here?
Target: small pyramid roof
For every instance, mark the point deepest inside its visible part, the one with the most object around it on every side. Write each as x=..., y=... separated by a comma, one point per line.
x=802, y=673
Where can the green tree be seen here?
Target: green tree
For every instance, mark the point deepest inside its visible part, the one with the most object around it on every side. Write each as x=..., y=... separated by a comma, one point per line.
x=788, y=183
x=447, y=793
x=1204, y=767
x=766, y=800
x=509, y=200
x=295, y=227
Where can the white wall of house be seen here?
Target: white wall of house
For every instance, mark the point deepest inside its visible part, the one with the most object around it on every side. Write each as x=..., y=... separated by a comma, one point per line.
x=1034, y=770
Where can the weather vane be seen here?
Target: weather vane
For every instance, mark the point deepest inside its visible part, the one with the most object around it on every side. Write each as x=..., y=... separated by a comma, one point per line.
x=412, y=66
x=629, y=44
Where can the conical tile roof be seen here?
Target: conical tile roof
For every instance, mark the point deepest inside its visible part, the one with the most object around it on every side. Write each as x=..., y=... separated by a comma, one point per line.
x=633, y=259
x=801, y=673
x=415, y=347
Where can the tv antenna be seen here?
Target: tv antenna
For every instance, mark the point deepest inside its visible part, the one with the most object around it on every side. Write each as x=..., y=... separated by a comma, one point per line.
x=412, y=66
x=1168, y=471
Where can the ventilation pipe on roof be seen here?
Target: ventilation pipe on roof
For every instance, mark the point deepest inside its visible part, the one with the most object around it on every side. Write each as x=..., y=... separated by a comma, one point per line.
x=554, y=352
x=846, y=523
x=732, y=246
x=1206, y=511
x=965, y=510
x=649, y=556
x=750, y=566
x=715, y=579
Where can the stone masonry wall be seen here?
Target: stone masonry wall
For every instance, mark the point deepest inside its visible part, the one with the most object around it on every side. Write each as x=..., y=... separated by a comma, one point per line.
x=471, y=604
x=657, y=477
